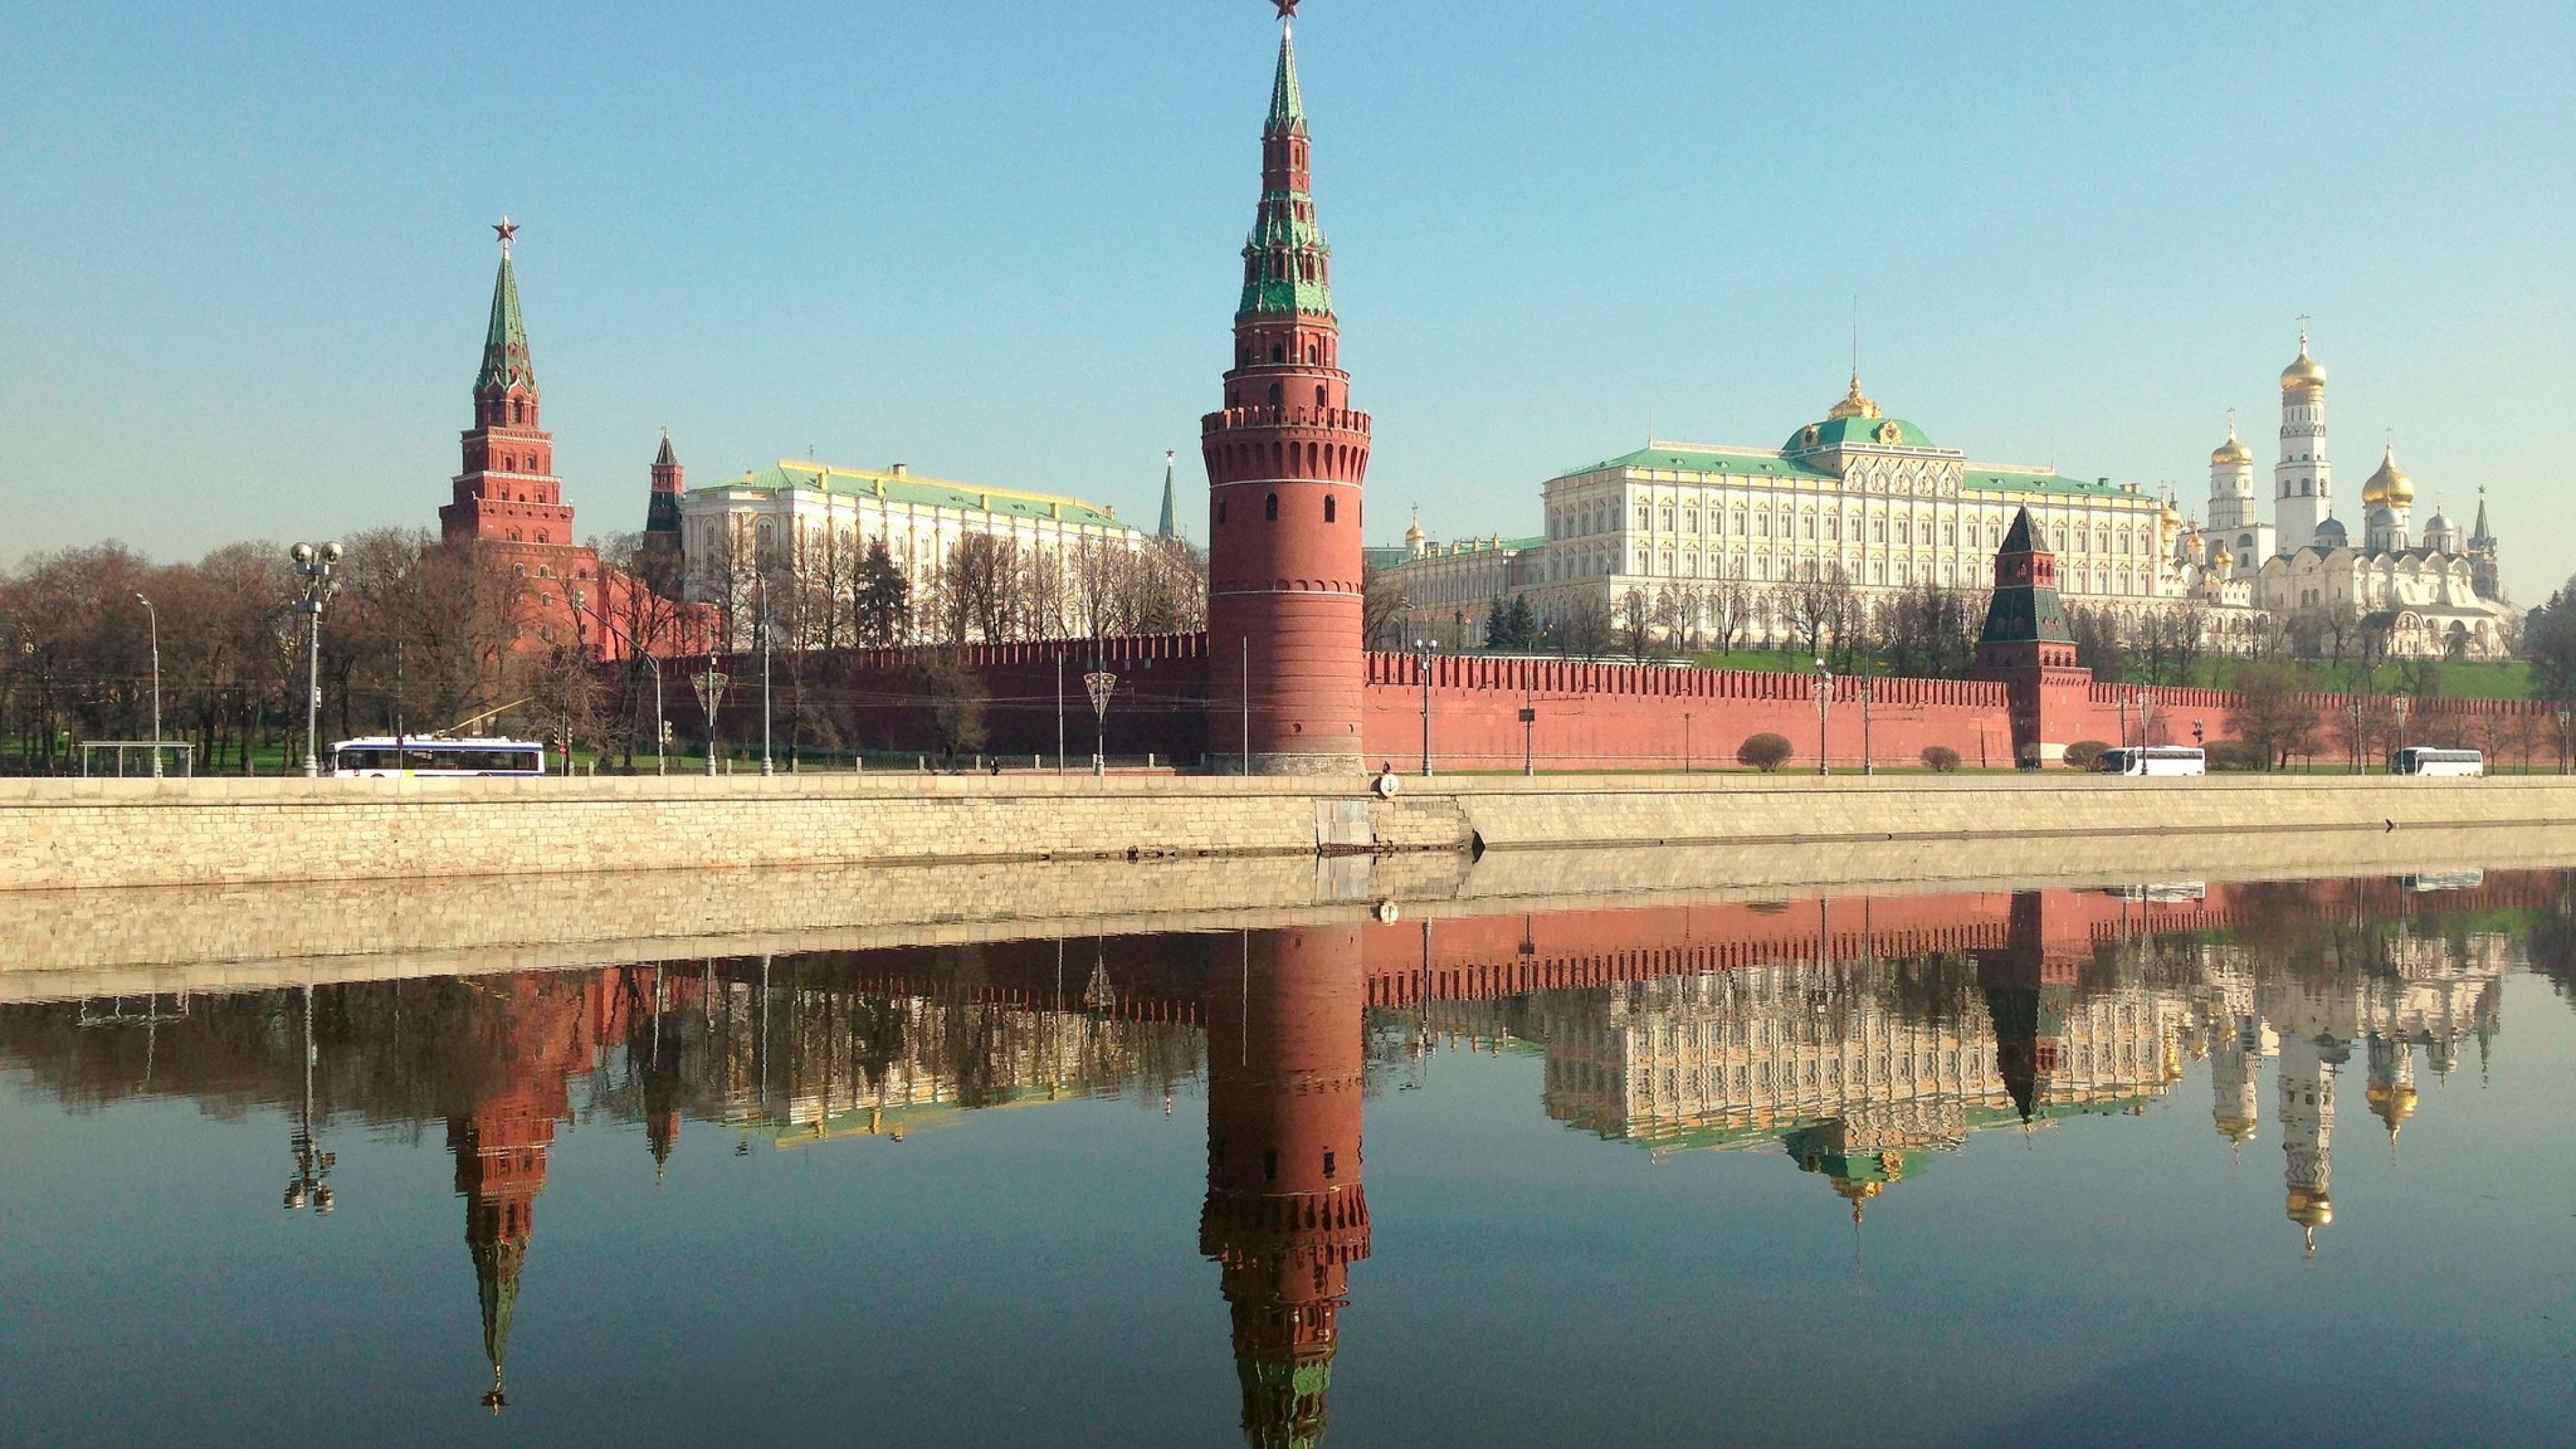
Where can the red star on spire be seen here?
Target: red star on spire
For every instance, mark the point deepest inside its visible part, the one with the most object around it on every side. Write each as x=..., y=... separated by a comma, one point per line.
x=507, y=229
x=1287, y=8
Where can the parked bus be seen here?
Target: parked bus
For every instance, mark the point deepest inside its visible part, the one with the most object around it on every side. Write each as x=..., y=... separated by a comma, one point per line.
x=2153, y=760
x=2426, y=760
x=383, y=757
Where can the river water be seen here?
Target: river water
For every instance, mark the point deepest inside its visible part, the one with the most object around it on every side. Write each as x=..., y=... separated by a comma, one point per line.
x=2185, y=1163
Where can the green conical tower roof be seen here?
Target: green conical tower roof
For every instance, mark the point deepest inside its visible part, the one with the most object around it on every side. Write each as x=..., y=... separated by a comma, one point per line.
x=496, y=1282
x=665, y=458
x=505, y=343
x=1287, y=107
x=1170, y=526
x=1286, y=261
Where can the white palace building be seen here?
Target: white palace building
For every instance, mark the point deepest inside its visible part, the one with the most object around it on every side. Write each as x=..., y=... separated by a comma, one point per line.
x=1870, y=500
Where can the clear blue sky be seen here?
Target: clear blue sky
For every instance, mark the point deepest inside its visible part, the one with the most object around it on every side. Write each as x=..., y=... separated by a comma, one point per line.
x=247, y=264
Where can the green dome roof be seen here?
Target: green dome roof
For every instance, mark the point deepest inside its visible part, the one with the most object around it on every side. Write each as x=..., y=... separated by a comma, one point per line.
x=1856, y=432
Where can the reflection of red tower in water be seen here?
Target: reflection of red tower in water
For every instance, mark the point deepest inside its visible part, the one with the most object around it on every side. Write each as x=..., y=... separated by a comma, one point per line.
x=2030, y=988
x=1285, y=457
x=1285, y=1214
x=537, y=1033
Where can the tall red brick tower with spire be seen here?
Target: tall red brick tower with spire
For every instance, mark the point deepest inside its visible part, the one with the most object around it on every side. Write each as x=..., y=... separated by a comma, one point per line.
x=1285, y=1216
x=508, y=491
x=1285, y=457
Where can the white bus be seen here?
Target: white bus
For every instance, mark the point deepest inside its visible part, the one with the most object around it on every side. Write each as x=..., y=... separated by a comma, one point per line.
x=2153, y=760
x=383, y=757
x=2426, y=760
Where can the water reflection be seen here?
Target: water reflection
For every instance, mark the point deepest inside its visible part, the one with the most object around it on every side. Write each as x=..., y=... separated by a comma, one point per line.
x=1864, y=1040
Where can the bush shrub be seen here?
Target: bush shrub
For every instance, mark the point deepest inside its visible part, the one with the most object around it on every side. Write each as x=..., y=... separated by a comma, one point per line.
x=1940, y=759
x=1765, y=752
x=2082, y=754
x=2234, y=755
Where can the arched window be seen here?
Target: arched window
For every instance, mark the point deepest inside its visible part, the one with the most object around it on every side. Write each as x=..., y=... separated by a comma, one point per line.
x=1274, y=395
x=1270, y=508
x=1319, y=397
x=1220, y=510
x=1328, y=508
x=1668, y=518
x=1278, y=353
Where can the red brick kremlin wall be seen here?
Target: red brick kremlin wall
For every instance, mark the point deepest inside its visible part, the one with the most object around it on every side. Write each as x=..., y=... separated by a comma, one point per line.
x=1589, y=716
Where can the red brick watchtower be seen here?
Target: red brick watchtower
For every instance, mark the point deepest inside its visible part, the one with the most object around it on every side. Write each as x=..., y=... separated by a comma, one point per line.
x=2027, y=646
x=1284, y=461
x=508, y=491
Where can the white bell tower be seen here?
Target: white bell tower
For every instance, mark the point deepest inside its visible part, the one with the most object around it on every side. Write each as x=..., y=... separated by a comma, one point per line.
x=2303, y=481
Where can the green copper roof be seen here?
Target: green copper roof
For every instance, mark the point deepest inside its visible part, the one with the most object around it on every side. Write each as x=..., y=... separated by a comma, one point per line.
x=1703, y=460
x=496, y=1284
x=1990, y=480
x=1169, y=525
x=1286, y=260
x=1287, y=106
x=1682, y=458
x=505, y=343
x=1856, y=432
x=924, y=492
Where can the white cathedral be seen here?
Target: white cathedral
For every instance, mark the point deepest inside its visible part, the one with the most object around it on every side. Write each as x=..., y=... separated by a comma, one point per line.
x=2427, y=594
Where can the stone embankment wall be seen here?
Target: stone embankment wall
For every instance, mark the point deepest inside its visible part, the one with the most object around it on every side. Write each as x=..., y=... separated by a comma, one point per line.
x=57, y=834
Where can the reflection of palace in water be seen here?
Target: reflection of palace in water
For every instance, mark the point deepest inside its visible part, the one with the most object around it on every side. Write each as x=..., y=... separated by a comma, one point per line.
x=1864, y=1038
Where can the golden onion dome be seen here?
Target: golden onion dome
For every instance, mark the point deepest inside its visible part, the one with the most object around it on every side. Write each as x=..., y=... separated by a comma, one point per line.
x=2392, y=1105
x=2389, y=485
x=2311, y=1209
x=2303, y=374
x=2236, y=1129
x=2230, y=453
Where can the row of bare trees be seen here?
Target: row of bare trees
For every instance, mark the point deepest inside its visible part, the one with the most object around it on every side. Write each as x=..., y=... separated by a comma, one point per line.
x=416, y=634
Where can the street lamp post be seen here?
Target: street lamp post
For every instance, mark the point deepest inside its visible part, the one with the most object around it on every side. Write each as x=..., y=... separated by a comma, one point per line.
x=1824, y=715
x=314, y=564
x=155, y=616
x=1423, y=649
x=765, y=767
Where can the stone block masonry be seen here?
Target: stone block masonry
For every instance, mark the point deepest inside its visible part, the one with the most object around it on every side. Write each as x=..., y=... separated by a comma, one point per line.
x=71, y=834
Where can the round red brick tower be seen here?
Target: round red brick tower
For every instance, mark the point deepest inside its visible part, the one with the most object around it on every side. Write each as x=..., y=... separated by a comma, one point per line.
x=1284, y=461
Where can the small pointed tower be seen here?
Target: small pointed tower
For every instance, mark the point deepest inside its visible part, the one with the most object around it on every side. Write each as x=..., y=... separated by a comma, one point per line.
x=1285, y=457
x=2027, y=646
x=2302, y=480
x=2482, y=554
x=508, y=491
x=662, y=513
x=1168, y=528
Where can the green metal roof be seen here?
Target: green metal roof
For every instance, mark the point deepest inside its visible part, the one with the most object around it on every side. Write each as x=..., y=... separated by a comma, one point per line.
x=1683, y=458
x=1287, y=103
x=1703, y=460
x=505, y=342
x=1855, y=432
x=924, y=492
x=1990, y=480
